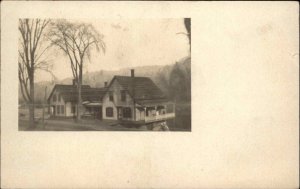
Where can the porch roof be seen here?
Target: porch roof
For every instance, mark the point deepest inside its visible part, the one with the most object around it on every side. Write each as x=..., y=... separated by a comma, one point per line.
x=92, y=104
x=153, y=102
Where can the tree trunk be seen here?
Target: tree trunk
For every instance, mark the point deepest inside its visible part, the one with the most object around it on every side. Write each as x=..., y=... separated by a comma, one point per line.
x=31, y=103
x=79, y=104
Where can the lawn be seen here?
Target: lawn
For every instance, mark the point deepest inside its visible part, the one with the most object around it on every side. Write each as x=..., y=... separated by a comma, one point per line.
x=182, y=122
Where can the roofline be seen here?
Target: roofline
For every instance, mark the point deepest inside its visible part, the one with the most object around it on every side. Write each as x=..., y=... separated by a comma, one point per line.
x=48, y=99
x=110, y=83
x=114, y=78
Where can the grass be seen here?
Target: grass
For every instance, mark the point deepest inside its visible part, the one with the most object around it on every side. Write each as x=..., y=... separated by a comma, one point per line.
x=182, y=122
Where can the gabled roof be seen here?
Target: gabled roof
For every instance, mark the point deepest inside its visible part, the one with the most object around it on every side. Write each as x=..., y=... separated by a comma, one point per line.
x=70, y=94
x=140, y=88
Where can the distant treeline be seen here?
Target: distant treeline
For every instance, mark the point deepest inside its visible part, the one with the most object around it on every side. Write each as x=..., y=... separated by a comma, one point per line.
x=174, y=80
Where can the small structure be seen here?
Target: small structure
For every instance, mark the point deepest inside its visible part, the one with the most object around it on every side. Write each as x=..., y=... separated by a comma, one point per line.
x=63, y=101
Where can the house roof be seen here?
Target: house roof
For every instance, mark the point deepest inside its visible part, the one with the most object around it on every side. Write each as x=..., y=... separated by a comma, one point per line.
x=69, y=93
x=153, y=102
x=144, y=88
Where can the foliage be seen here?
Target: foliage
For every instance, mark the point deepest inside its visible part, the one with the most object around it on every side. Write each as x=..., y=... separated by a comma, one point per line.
x=30, y=59
x=177, y=83
x=76, y=40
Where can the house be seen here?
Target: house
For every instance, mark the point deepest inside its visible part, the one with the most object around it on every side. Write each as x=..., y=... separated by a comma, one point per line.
x=63, y=101
x=136, y=99
x=128, y=99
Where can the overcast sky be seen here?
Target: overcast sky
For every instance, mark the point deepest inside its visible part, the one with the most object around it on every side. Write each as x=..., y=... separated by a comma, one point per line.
x=130, y=43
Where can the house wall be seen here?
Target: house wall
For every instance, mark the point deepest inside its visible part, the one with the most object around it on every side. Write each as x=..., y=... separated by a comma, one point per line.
x=140, y=115
x=69, y=109
x=116, y=89
x=67, y=106
x=58, y=103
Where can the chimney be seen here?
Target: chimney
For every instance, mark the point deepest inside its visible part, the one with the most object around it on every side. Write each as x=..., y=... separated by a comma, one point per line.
x=105, y=84
x=132, y=72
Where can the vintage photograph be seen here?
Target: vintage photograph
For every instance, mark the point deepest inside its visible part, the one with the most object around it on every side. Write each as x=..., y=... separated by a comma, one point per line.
x=104, y=75
x=207, y=92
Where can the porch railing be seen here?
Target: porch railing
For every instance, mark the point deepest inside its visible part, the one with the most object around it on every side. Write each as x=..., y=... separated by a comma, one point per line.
x=159, y=117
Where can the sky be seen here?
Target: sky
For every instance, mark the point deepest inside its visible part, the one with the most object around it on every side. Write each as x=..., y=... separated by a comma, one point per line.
x=129, y=43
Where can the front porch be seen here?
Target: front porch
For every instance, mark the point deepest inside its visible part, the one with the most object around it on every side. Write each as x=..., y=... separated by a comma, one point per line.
x=92, y=110
x=156, y=118
x=156, y=111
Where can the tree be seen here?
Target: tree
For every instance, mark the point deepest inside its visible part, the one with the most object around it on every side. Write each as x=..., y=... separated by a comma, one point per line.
x=76, y=40
x=187, y=24
x=31, y=51
x=180, y=80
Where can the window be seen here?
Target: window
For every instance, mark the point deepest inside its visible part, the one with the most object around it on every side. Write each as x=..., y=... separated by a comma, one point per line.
x=59, y=98
x=149, y=111
x=58, y=109
x=73, y=109
x=127, y=112
x=54, y=98
x=109, y=112
x=89, y=109
x=111, y=96
x=62, y=109
x=123, y=95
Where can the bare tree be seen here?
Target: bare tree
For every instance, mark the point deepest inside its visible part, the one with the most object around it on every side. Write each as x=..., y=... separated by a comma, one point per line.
x=76, y=40
x=187, y=24
x=31, y=51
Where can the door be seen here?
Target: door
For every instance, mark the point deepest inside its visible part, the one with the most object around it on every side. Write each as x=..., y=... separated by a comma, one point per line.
x=98, y=112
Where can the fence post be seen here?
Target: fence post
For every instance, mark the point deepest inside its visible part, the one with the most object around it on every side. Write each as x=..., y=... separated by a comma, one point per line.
x=44, y=107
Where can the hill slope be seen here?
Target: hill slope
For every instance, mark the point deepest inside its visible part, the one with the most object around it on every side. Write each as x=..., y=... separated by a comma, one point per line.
x=159, y=74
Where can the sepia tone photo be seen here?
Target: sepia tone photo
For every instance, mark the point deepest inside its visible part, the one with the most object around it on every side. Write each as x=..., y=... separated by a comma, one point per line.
x=104, y=75
x=223, y=76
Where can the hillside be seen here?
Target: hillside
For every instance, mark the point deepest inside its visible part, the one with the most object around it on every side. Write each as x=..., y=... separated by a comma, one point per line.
x=159, y=74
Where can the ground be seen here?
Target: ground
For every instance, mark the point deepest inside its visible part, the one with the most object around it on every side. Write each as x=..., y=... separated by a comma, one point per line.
x=72, y=125
x=181, y=123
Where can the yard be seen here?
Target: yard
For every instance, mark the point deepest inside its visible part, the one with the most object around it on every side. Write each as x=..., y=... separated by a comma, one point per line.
x=182, y=122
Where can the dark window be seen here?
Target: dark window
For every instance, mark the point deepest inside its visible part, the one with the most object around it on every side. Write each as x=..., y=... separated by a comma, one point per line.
x=54, y=98
x=62, y=107
x=58, y=109
x=73, y=109
x=109, y=112
x=59, y=98
x=111, y=96
x=123, y=95
x=127, y=112
x=89, y=109
x=149, y=111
